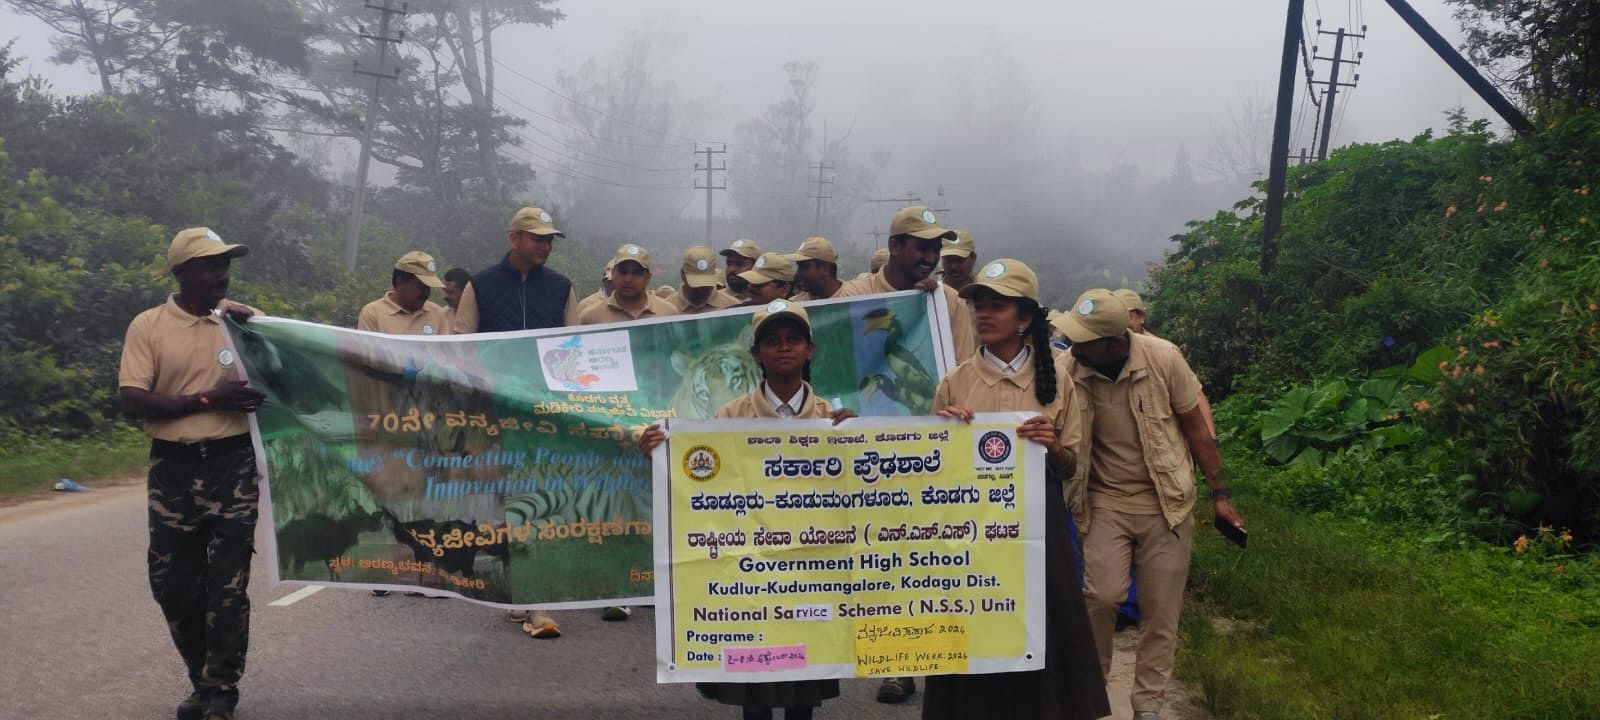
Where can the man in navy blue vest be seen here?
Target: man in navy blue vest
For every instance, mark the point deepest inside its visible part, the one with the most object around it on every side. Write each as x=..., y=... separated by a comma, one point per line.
x=520, y=293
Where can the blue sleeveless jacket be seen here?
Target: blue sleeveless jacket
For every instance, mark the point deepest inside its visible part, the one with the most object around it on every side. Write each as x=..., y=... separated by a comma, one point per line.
x=507, y=301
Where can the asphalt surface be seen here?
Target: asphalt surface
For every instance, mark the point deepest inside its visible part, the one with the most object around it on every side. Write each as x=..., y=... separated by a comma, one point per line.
x=80, y=637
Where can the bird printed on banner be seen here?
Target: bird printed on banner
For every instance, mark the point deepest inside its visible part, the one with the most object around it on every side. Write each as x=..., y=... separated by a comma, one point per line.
x=912, y=386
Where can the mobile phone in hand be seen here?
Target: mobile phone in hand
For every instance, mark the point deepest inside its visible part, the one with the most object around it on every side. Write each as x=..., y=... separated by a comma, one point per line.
x=1235, y=534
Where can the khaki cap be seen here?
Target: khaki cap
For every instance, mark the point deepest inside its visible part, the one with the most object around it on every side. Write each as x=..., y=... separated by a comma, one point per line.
x=534, y=220
x=960, y=245
x=700, y=267
x=609, y=264
x=918, y=222
x=665, y=291
x=880, y=257
x=769, y=267
x=632, y=253
x=816, y=248
x=777, y=309
x=1097, y=314
x=421, y=264
x=745, y=247
x=1007, y=277
x=1131, y=299
x=200, y=242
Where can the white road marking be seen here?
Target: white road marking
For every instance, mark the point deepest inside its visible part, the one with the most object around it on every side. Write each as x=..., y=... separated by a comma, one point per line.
x=296, y=596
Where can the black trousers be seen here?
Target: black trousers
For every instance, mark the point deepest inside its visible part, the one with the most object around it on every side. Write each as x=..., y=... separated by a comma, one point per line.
x=202, y=533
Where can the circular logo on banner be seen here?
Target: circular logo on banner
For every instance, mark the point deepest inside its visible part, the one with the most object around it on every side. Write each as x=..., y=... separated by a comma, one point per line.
x=432, y=267
x=701, y=265
x=995, y=269
x=927, y=217
x=1086, y=308
x=225, y=357
x=544, y=217
x=427, y=329
x=702, y=463
x=994, y=447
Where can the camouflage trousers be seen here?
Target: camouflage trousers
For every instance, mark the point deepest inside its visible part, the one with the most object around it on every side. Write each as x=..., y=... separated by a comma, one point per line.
x=202, y=534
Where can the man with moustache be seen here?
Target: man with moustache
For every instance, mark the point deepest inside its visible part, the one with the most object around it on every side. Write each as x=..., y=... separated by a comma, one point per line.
x=699, y=292
x=520, y=293
x=816, y=270
x=915, y=240
x=958, y=257
x=455, y=281
x=405, y=309
x=739, y=257
x=631, y=298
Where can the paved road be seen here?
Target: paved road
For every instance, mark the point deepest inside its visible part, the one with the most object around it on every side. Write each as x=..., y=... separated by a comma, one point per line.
x=80, y=637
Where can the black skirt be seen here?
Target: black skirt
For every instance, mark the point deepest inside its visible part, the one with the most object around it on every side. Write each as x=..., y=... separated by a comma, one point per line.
x=1071, y=686
x=797, y=693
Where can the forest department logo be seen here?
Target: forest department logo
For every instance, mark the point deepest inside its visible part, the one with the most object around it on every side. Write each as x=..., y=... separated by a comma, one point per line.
x=544, y=217
x=702, y=463
x=225, y=358
x=995, y=269
x=928, y=217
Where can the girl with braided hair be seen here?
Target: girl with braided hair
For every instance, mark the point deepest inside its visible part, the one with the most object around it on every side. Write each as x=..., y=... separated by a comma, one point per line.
x=1015, y=370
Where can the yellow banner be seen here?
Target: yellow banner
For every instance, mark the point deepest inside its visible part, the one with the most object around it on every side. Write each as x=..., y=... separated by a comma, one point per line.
x=793, y=549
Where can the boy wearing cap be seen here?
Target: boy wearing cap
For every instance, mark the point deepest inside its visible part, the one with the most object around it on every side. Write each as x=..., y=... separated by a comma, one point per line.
x=914, y=244
x=520, y=293
x=816, y=270
x=180, y=377
x=957, y=258
x=770, y=278
x=699, y=292
x=630, y=297
x=1134, y=491
x=739, y=257
x=405, y=309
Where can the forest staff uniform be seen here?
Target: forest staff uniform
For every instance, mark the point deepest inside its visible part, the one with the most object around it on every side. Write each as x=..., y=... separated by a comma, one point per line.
x=611, y=310
x=963, y=334
x=819, y=249
x=700, y=271
x=1134, y=492
x=202, y=483
x=385, y=316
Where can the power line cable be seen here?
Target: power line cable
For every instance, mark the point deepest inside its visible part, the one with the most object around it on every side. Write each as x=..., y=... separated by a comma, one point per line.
x=592, y=108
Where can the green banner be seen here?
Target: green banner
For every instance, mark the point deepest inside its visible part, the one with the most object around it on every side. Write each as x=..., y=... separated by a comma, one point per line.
x=503, y=468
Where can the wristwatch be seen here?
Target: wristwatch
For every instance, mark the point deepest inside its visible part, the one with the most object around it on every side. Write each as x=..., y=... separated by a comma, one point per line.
x=1222, y=493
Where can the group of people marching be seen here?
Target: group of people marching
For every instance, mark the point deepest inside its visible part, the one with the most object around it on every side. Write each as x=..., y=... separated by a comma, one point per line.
x=1119, y=412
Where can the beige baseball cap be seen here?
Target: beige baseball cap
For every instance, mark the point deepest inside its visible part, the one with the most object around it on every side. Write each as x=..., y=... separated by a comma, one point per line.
x=745, y=247
x=1007, y=277
x=918, y=222
x=632, y=253
x=880, y=257
x=769, y=267
x=777, y=309
x=200, y=242
x=535, y=220
x=700, y=267
x=1131, y=299
x=816, y=248
x=421, y=264
x=665, y=291
x=1098, y=313
x=960, y=245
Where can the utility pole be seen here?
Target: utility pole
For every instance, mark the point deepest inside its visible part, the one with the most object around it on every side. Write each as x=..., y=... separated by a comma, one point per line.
x=820, y=194
x=1332, y=93
x=1468, y=74
x=1278, y=163
x=353, y=239
x=1302, y=157
x=710, y=183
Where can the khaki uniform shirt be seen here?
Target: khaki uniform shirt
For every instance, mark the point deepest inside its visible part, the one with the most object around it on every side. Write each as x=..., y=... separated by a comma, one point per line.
x=755, y=404
x=385, y=316
x=466, y=320
x=979, y=386
x=611, y=311
x=170, y=352
x=1135, y=458
x=449, y=320
x=963, y=334
x=719, y=300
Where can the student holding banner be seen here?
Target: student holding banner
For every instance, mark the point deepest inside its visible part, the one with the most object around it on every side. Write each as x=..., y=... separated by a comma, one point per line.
x=1014, y=370
x=783, y=348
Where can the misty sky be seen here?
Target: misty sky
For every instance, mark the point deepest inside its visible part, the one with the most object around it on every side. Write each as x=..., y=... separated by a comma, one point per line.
x=1128, y=80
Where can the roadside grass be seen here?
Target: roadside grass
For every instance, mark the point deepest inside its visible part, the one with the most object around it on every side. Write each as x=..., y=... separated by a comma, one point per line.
x=1324, y=617
x=34, y=468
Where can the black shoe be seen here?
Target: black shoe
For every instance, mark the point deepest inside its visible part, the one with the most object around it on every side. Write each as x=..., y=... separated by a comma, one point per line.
x=894, y=691
x=220, y=707
x=192, y=707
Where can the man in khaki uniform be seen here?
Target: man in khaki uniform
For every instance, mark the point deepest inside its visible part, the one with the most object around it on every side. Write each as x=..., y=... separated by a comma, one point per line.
x=771, y=278
x=630, y=298
x=699, y=292
x=958, y=257
x=598, y=296
x=405, y=309
x=455, y=282
x=914, y=244
x=1134, y=491
x=739, y=257
x=179, y=376
x=520, y=292
x=1138, y=316
x=816, y=270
